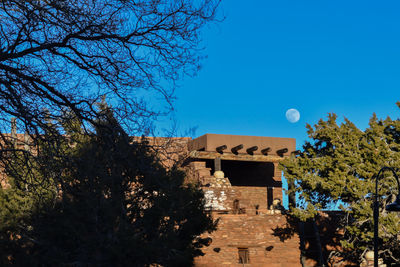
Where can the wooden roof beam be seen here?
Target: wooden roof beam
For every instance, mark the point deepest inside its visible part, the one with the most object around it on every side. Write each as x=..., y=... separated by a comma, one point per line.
x=230, y=156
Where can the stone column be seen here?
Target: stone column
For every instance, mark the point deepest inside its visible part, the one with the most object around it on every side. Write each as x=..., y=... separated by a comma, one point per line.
x=277, y=189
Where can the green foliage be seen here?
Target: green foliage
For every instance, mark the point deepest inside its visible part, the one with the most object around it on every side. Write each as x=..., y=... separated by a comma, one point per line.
x=118, y=207
x=24, y=194
x=338, y=168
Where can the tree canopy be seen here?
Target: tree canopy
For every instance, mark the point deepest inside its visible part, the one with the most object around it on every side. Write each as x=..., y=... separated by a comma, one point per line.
x=116, y=205
x=337, y=168
x=64, y=55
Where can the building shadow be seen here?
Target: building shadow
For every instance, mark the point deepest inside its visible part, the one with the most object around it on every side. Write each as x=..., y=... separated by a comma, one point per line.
x=319, y=239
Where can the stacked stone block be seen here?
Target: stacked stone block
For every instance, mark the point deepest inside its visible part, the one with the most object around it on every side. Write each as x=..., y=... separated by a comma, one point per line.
x=256, y=228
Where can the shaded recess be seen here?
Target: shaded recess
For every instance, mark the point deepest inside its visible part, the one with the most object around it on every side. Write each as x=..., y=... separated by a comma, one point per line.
x=243, y=173
x=247, y=173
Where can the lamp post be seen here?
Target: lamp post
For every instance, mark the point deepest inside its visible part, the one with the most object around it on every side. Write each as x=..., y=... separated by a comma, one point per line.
x=395, y=206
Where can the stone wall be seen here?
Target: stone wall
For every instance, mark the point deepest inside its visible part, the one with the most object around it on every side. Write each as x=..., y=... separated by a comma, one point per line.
x=245, y=221
x=258, y=233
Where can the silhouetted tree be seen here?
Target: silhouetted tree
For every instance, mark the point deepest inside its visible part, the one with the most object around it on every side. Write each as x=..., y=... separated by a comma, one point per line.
x=58, y=55
x=118, y=206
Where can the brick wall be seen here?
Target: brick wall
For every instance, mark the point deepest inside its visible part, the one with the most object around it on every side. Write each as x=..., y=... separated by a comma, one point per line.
x=258, y=234
x=254, y=229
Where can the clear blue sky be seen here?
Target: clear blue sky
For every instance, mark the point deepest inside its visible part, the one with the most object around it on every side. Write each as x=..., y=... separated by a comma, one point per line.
x=315, y=56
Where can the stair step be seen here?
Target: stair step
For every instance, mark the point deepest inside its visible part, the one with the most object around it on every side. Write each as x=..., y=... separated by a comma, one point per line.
x=198, y=164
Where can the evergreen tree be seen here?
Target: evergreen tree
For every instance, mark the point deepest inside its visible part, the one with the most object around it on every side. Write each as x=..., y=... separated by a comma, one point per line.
x=338, y=167
x=118, y=207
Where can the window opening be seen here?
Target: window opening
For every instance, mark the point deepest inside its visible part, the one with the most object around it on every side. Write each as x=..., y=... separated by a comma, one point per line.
x=236, y=206
x=244, y=256
x=237, y=209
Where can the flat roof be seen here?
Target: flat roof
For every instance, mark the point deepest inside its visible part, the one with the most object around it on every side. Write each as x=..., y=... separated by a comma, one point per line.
x=243, y=145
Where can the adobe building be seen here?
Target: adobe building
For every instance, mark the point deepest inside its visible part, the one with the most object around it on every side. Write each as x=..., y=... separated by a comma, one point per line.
x=242, y=186
x=243, y=189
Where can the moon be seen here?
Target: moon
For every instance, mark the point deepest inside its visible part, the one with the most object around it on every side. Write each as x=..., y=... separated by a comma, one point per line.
x=293, y=115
